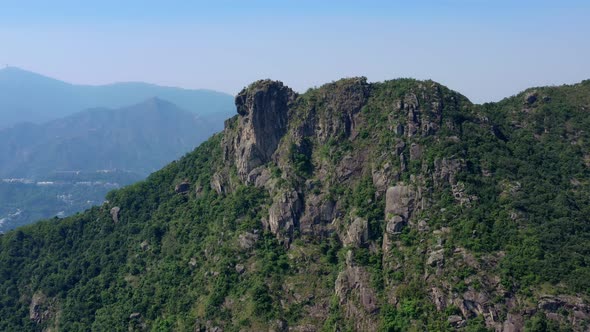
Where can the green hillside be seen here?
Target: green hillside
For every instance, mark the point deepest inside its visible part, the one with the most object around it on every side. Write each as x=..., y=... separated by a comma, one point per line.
x=355, y=206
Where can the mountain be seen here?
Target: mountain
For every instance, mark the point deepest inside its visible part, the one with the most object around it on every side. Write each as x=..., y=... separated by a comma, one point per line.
x=141, y=138
x=30, y=97
x=69, y=164
x=357, y=206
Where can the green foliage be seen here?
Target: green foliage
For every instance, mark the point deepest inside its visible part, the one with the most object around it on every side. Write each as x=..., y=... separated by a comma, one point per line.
x=300, y=156
x=176, y=259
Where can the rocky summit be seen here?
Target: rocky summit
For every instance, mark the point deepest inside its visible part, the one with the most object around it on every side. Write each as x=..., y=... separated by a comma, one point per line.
x=354, y=206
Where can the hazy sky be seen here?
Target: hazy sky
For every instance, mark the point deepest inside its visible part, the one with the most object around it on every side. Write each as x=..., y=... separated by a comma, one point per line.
x=486, y=50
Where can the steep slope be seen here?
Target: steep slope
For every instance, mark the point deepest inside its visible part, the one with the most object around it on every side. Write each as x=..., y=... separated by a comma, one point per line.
x=69, y=164
x=30, y=97
x=388, y=206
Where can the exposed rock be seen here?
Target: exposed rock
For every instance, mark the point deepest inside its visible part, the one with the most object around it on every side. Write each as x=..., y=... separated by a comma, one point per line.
x=438, y=299
x=357, y=234
x=183, y=187
x=464, y=306
x=456, y=321
x=399, y=147
x=554, y=303
x=381, y=178
x=240, y=268
x=115, y=213
x=262, y=122
x=531, y=97
x=399, y=205
x=279, y=325
x=284, y=214
x=403, y=164
x=399, y=201
x=343, y=100
x=351, y=166
x=218, y=183
x=413, y=117
x=260, y=177
x=192, y=262
x=354, y=282
x=395, y=225
x=513, y=323
x=436, y=258
x=144, y=245
x=423, y=226
x=39, y=308
x=446, y=170
x=399, y=129
x=415, y=151
x=303, y=328
x=247, y=240
x=461, y=195
x=318, y=215
x=475, y=301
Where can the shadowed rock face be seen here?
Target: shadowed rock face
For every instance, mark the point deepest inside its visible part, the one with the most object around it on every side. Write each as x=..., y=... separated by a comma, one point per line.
x=263, y=109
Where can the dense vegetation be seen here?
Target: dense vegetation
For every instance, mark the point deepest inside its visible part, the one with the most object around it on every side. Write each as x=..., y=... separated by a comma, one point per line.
x=506, y=235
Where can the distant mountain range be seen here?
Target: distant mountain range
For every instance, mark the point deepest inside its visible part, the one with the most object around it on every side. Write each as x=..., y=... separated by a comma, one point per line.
x=30, y=97
x=140, y=139
x=64, y=146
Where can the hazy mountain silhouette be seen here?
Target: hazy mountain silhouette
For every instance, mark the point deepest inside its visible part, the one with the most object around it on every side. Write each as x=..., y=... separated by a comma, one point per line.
x=139, y=138
x=29, y=97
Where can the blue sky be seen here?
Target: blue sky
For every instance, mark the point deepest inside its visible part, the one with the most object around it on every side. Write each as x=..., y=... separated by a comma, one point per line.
x=484, y=49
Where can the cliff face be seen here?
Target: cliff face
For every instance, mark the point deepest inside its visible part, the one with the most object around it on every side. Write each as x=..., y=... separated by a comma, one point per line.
x=354, y=206
x=263, y=118
x=349, y=133
x=276, y=129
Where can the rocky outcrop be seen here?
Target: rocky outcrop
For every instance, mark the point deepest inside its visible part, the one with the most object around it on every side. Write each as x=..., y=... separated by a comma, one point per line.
x=530, y=97
x=351, y=166
x=357, y=233
x=115, y=213
x=554, y=306
x=220, y=183
x=382, y=177
x=436, y=258
x=263, y=116
x=456, y=321
x=438, y=298
x=513, y=323
x=423, y=119
x=343, y=101
x=416, y=151
x=318, y=215
x=247, y=240
x=42, y=309
x=399, y=205
x=182, y=188
x=355, y=294
x=446, y=170
x=284, y=215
